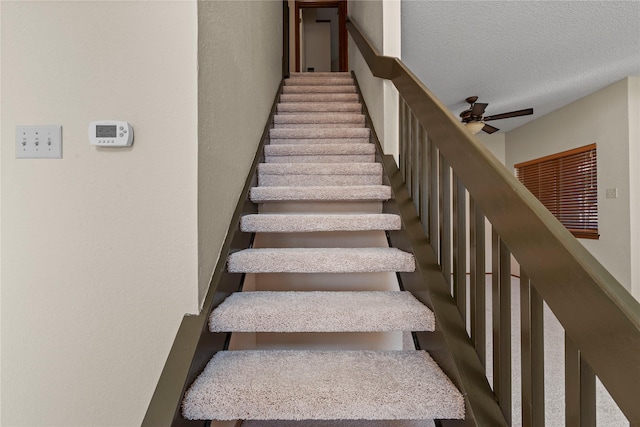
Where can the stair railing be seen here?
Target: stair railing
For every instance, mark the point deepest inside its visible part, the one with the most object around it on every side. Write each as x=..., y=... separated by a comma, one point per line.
x=441, y=164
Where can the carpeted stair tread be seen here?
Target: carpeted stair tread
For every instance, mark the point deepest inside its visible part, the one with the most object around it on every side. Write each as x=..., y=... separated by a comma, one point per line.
x=317, y=133
x=318, y=120
x=319, y=97
x=317, y=149
x=319, y=174
x=317, y=193
x=292, y=223
x=317, y=180
x=319, y=169
x=319, y=89
x=304, y=384
x=319, y=311
x=321, y=107
x=338, y=158
x=315, y=74
x=319, y=141
x=323, y=81
x=320, y=260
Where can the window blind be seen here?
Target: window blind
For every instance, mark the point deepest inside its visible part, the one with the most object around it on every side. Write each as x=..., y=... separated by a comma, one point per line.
x=566, y=184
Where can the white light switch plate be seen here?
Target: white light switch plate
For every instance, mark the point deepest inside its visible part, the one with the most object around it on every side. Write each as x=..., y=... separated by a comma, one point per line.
x=611, y=193
x=39, y=142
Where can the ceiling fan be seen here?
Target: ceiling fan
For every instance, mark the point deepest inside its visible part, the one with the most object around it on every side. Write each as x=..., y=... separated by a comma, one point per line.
x=473, y=120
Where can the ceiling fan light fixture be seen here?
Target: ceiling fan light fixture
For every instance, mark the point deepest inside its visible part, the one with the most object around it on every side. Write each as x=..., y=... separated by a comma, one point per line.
x=474, y=127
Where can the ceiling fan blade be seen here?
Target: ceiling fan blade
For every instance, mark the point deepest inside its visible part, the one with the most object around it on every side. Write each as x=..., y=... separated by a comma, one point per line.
x=478, y=109
x=518, y=113
x=489, y=129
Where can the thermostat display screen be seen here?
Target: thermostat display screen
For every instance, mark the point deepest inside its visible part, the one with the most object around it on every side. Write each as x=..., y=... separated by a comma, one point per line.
x=106, y=131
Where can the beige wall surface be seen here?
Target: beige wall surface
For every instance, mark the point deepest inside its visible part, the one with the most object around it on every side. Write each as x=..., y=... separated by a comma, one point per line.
x=368, y=16
x=240, y=67
x=99, y=249
x=380, y=23
x=601, y=118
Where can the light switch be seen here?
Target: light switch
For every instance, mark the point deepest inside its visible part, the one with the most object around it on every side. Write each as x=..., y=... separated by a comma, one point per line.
x=39, y=142
x=611, y=193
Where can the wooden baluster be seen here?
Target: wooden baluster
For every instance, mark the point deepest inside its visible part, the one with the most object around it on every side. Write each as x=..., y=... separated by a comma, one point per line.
x=580, y=388
x=532, y=360
x=460, y=246
x=501, y=307
x=445, y=218
x=434, y=238
x=477, y=282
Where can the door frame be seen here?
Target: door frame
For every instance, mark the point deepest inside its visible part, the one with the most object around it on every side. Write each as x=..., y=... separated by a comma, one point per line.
x=343, y=56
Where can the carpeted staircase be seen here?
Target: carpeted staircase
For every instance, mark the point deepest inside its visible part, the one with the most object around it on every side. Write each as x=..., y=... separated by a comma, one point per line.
x=320, y=179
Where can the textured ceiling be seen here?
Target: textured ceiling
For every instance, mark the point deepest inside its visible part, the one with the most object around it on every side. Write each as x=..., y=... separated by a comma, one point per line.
x=520, y=54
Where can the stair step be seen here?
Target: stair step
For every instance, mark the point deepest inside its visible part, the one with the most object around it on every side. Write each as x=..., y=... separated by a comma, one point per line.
x=319, y=81
x=317, y=149
x=319, y=174
x=318, y=120
x=305, y=384
x=327, y=193
x=319, y=97
x=317, y=180
x=320, y=153
x=320, y=133
x=338, y=158
x=319, y=311
x=291, y=223
x=319, y=89
x=320, y=74
x=320, y=107
x=320, y=260
x=319, y=169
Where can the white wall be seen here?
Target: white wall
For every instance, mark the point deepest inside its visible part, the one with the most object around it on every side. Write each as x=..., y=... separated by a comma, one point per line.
x=240, y=67
x=317, y=42
x=380, y=22
x=99, y=249
x=601, y=118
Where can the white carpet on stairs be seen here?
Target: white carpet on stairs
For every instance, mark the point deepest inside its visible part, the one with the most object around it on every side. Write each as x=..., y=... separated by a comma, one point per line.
x=351, y=119
x=320, y=260
x=318, y=149
x=319, y=97
x=321, y=311
x=319, y=174
x=325, y=193
x=310, y=133
x=300, y=385
x=295, y=223
x=320, y=169
x=319, y=157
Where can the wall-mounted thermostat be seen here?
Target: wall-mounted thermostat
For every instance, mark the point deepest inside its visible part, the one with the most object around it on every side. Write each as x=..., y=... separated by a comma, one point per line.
x=110, y=133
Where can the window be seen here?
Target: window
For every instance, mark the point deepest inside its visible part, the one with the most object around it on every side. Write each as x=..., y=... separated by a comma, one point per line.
x=566, y=183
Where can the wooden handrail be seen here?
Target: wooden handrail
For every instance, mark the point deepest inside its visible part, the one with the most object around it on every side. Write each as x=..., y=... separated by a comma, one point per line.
x=600, y=317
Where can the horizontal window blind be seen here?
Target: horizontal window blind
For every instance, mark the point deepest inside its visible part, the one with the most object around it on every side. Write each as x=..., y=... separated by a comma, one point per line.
x=566, y=183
